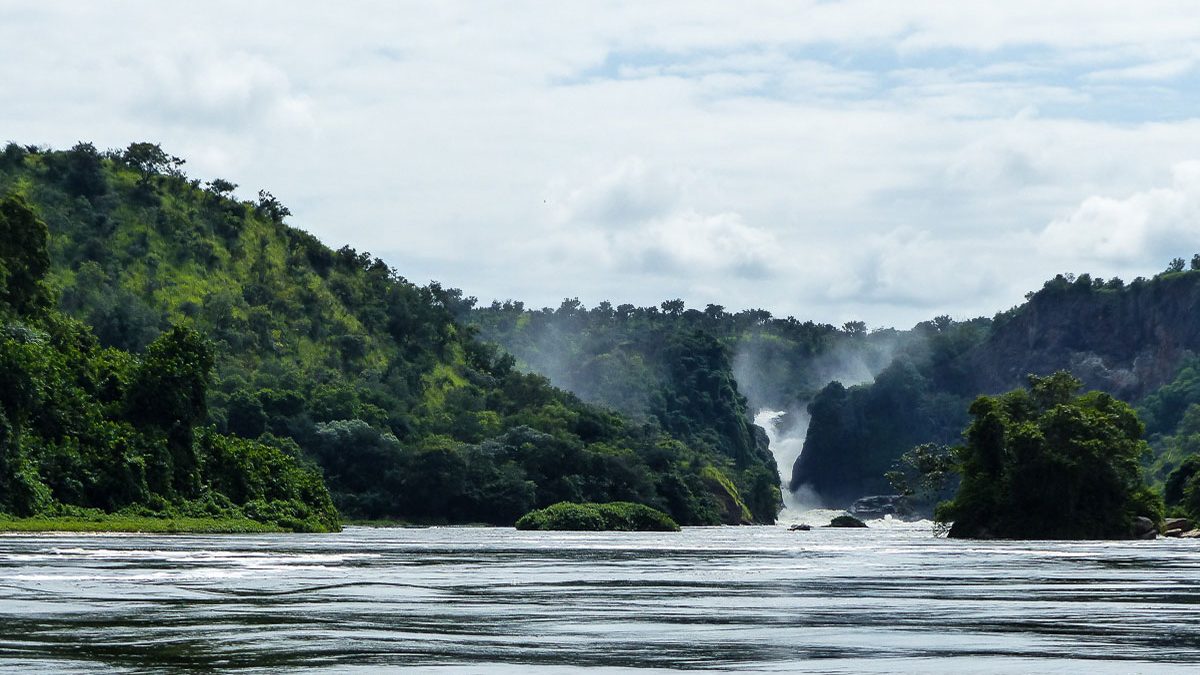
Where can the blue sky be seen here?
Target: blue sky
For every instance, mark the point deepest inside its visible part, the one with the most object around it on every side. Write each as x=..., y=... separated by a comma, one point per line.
x=865, y=160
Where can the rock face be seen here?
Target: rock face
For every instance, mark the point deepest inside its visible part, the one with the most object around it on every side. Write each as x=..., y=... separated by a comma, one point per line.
x=1124, y=341
x=878, y=506
x=846, y=521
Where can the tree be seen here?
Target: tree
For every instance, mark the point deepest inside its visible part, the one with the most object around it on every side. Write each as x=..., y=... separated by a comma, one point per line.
x=24, y=256
x=924, y=473
x=1176, y=265
x=672, y=307
x=149, y=158
x=271, y=207
x=1046, y=463
x=1196, y=262
x=168, y=393
x=84, y=172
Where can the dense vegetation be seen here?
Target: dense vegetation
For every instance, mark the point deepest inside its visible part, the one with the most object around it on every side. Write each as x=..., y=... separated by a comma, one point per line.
x=619, y=516
x=87, y=430
x=1132, y=341
x=331, y=357
x=684, y=370
x=1135, y=341
x=1046, y=463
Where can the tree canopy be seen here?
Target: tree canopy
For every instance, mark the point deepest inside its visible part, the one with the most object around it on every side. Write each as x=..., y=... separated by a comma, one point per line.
x=1047, y=463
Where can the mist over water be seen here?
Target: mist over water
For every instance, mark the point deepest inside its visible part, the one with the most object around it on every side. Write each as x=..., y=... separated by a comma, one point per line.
x=786, y=432
x=786, y=422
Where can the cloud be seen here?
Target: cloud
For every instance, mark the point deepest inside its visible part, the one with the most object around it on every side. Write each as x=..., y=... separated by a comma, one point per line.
x=694, y=244
x=627, y=196
x=231, y=91
x=643, y=220
x=1152, y=71
x=864, y=159
x=1146, y=227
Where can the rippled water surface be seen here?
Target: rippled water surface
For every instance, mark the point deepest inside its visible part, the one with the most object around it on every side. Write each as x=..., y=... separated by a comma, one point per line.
x=887, y=599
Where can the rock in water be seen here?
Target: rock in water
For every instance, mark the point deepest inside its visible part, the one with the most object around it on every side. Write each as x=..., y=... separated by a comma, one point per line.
x=1142, y=526
x=1177, y=524
x=878, y=506
x=804, y=527
x=846, y=521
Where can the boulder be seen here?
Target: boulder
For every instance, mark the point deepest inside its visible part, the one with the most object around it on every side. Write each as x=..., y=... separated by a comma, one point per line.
x=1149, y=535
x=846, y=521
x=1142, y=525
x=1173, y=532
x=1191, y=534
x=800, y=527
x=1177, y=524
x=878, y=506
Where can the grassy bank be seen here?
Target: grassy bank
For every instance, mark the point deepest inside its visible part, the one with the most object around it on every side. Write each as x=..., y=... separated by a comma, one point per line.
x=122, y=523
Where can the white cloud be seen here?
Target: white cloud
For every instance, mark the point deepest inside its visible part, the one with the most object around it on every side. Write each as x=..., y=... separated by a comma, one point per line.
x=1152, y=71
x=1146, y=227
x=233, y=91
x=862, y=159
x=636, y=219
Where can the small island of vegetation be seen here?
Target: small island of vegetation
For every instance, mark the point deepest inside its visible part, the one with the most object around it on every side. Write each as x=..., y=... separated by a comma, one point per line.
x=1046, y=463
x=610, y=516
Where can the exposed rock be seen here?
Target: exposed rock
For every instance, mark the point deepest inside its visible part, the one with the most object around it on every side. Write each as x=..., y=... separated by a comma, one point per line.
x=846, y=521
x=878, y=506
x=800, y=527
x=1141, y=526
x=1177, y=524
x=1173, y=532
x=1149, y=535
x=1191, y=534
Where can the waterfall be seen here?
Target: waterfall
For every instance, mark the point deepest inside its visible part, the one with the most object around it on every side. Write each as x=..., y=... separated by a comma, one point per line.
x=786, y=432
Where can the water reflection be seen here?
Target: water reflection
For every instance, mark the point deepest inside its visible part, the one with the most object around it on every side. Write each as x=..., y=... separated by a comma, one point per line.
x=880, y=600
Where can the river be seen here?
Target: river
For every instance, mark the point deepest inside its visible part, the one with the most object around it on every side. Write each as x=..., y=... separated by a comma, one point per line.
x=886, y=599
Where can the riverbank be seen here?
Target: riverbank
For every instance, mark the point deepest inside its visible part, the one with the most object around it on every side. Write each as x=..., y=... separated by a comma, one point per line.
x=122, y=523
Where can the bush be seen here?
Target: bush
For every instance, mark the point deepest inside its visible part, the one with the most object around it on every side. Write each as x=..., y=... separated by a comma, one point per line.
x=620, y=516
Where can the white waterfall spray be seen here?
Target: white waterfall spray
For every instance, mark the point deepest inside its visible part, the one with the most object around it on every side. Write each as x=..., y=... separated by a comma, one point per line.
x=786, y=432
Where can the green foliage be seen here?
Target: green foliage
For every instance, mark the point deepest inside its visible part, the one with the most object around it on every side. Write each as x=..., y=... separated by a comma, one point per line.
x=87, y=431
x=846, y=521
x=675, y=368
x=255, y=333
x=24, y=258
x=1044, y=463
x=925, y=474
x=620, y=516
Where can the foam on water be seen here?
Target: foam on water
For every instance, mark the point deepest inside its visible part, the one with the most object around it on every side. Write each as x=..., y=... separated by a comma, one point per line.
x=889, y=598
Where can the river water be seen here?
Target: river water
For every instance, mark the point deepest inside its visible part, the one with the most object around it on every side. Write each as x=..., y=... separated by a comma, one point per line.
x=891, y=598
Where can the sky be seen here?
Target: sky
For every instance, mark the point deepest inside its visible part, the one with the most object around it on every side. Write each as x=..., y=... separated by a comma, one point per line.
x=865, y=160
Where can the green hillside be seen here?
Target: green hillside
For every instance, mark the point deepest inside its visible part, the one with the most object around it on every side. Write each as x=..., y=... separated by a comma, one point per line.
x=87, y=430
x=334, y=358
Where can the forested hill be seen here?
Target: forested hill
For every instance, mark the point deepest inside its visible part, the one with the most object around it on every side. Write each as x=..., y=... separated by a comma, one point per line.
x=1137, y=341
x=332, y=358
x=874, y=395
x=648, y=361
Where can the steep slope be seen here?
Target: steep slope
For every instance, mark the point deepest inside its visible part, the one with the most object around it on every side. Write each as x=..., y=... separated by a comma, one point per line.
x=702, y=375
x=1127, y=340
x=367, y=374
x=87, y=431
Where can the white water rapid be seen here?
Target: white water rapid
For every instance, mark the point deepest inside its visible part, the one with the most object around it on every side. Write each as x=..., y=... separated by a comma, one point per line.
x=786, y=432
